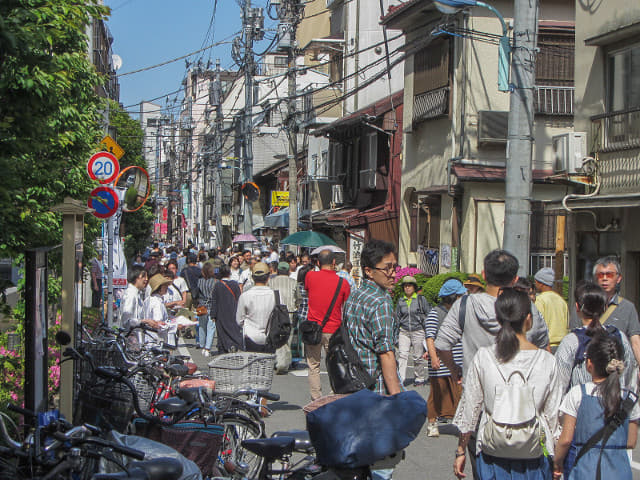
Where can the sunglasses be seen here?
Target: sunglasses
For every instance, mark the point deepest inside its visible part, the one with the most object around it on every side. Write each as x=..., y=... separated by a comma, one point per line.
x=611, y=275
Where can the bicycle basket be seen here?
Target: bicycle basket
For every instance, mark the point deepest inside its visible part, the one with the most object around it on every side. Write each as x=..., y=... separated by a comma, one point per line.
x=235, y=371
x=108, y=406
x=195, y=440
x=145, y=390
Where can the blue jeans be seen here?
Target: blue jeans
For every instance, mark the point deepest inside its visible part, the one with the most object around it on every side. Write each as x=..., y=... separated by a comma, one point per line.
x=382, y=474
x=206, y=332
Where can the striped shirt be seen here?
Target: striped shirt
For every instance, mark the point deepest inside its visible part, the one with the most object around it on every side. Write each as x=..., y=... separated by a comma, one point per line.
x=373, y=330
x=570, y=377
x=205, y=286
x=435, y=317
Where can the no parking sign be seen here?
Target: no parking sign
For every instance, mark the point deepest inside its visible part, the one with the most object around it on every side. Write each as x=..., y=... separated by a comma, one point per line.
x=103, y=201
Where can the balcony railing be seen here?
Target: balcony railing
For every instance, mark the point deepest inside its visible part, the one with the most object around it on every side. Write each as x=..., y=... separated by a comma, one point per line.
x=553, y=100
x=615, y=131
x=431, y=104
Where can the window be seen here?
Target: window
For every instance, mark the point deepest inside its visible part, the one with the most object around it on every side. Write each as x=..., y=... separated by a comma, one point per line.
x=425, y=223
x=555, y=60
x=432, y=73
x=624, y=79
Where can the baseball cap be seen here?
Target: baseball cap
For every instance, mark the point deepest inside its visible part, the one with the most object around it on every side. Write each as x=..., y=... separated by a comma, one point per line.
x=283, y=267
x=260, y=268
x=452, y=287
x=409, y=279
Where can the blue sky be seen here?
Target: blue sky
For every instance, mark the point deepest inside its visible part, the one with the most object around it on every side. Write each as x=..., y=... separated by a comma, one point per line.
x=148, y=32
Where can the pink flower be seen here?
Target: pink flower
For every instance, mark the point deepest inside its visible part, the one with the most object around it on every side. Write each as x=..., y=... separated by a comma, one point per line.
x=14, y=396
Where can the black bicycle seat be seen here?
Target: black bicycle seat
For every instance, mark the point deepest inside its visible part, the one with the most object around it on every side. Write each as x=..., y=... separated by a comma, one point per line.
x=178, y=370
x=270, y=448
x=303, y=441
x=191, y=394
x=171, y=405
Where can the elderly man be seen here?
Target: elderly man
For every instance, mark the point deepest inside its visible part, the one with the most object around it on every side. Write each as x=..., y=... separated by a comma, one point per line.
x=552, y=306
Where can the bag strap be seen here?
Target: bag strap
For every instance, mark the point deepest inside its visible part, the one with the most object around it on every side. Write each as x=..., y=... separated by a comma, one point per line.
x=229, y=288
x=333, y=302
x=462, y=313
x=524, y=376
x=605, y=316
x=276, y=294
x=611, y=426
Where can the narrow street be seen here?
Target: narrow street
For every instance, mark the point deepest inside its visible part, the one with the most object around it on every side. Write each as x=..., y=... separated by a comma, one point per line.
x=426, y=458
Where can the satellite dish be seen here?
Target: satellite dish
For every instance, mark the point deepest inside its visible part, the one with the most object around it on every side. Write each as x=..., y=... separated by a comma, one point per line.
x=116, y=60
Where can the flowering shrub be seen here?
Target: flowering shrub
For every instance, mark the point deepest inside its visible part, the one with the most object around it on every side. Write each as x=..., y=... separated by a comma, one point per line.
x=403, y=272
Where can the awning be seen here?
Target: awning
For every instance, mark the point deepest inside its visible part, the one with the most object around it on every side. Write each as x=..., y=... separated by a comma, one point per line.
x=279, y=219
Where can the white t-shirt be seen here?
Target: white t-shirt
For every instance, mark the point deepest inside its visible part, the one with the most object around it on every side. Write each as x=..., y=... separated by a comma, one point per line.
x=571, y=401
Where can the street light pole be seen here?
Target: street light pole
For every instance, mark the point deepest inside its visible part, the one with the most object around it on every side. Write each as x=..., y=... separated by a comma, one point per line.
x=248, y=109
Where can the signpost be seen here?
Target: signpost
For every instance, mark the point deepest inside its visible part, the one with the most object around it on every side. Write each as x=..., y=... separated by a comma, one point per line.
x=103, y=167
x=103, y=201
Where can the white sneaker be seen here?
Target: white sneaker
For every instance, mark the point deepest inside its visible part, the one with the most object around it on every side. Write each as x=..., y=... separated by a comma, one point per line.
x=205, y=353
x=432, y=430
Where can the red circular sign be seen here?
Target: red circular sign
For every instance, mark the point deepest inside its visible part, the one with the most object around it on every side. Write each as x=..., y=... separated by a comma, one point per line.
x=103, y=167
x=103, y=201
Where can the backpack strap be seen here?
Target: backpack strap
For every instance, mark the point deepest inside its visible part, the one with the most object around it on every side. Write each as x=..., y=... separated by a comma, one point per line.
x=605, y=316
x=462, y=313
x=525, y=376
x=276, y=294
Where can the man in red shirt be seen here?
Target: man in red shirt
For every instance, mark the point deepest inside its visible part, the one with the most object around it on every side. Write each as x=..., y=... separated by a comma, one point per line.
x=321, y=287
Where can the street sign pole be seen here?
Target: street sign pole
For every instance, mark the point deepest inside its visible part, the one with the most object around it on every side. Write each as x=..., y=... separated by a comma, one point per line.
x=110, y=228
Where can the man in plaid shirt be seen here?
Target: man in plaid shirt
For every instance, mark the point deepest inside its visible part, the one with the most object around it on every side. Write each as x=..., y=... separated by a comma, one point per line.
x=368, y=316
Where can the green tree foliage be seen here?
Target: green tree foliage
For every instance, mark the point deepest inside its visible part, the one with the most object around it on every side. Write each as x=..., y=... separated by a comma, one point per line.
x=49, y=120
x=136, y=226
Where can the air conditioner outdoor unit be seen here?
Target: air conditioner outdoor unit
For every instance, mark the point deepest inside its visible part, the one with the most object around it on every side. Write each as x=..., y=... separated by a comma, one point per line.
x=569, y=150
x=493, y=127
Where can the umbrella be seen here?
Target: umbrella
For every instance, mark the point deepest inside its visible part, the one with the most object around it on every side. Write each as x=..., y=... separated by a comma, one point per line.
x=307, y=238
x=333, y=248
x=244, y=237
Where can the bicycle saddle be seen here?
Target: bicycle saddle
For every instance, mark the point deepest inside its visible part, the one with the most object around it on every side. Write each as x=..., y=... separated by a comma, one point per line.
x=171, y=405
x=192, y=394
x=303, y=441
x=177, y=370
x=270, y=448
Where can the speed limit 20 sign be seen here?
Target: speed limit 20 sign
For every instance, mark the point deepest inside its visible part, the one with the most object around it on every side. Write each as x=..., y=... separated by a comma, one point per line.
x=103, y=167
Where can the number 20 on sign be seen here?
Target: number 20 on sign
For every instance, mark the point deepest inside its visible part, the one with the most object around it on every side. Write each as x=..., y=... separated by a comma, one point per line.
x=103, y=167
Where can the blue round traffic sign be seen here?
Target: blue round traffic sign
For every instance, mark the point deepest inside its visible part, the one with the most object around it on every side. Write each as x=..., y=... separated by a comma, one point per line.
x=103, y=201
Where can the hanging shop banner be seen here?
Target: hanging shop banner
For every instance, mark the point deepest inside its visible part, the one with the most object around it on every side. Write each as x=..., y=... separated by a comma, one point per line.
x=279, y=198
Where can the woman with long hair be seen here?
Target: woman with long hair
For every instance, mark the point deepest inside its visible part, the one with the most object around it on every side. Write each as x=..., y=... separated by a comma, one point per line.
x=587, y=408
x=491, y=368
x=234, y=268
x=591, y=303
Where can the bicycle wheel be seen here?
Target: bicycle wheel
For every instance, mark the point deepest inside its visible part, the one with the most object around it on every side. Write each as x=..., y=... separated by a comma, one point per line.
x=236, y=429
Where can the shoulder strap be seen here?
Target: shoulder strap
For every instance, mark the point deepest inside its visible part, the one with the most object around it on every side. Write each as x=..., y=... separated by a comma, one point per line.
x=525, y=376
x=462, y=313
x=333, y=302
x=276, y=294
x=605, y=316
x=229, y=288
x=611, y=426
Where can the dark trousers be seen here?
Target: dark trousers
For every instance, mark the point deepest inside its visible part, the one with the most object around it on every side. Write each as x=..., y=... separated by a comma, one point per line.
x=96, y=295
x=251, y=346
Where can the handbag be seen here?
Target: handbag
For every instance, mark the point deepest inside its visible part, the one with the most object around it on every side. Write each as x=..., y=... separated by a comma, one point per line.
x=202, y=310
x=347, y=373
x=513, y=429
x=312, y=331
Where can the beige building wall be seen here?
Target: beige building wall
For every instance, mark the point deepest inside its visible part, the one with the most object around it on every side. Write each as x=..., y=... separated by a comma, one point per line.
x=429, y=146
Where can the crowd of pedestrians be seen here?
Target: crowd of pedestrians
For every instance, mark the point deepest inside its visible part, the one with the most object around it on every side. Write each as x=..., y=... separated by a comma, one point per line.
x=494, y=347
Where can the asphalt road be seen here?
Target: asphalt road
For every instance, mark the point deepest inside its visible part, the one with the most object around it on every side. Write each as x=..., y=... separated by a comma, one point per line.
x=426, y=457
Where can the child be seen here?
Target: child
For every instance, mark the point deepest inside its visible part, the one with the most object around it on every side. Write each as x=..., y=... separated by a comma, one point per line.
x=586, y=408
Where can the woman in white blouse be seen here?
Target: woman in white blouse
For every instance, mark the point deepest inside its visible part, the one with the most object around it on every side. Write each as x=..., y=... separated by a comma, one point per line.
x=512, y=352
x=132, y=306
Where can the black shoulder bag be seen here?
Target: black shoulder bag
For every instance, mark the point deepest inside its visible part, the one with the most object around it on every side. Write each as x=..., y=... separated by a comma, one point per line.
x=347, y=373
x=311, y=331
x=605, y=432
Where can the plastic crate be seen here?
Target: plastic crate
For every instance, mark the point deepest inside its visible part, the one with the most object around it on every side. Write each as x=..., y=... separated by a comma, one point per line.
x=235, y=371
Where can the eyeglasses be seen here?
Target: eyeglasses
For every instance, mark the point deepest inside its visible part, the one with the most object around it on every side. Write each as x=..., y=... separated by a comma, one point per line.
x=388, y=269
x=601, y=275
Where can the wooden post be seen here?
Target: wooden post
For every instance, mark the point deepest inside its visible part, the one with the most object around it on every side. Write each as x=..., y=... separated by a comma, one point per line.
x=559, y=260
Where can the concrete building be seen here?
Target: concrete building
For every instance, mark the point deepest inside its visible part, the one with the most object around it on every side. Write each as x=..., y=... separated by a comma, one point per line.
x=455, y=133
x=607, y=112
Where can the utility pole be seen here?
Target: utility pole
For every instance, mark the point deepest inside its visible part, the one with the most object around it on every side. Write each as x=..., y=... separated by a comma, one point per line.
x=249, y=18
x=520, y=138
x=290, y=12
x=218, y=146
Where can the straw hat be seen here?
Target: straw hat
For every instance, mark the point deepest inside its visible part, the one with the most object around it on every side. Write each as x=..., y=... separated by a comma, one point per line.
x=473, y=280
x=157, y=281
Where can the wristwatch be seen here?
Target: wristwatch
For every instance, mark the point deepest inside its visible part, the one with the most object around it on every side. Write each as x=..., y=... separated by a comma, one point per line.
x=460, y=454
